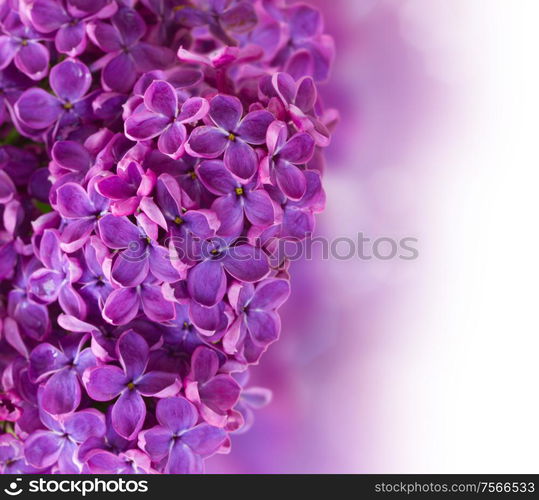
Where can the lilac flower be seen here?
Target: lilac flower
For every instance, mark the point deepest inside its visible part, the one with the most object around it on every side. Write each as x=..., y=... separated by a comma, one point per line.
x=235, y=200
x=12, y=84
x=162, y=116
x=231, y=135
x=207, y=281
x=70, y=81
x=177, y=442
x=59, y=444
x=257, y=324
x=283, y=157
x=128, y=462
x=61, y=369
x=126, y=56
x=131, y=382
x=215, y=393
x=12, y=457
x=21, y=44
x=55, y=280
x=67, y=20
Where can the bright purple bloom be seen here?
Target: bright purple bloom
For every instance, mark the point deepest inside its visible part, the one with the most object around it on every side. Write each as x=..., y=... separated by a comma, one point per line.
x=215, y=393
x=257, y=324
x=70, y=81
x=61, y=370
x=163, y=116
x=12, y=84
x=130, y=382
x=66, y=19
x=231, y=135
x=177, y=442
x=59, y=444
x=235, y=200
x=207, y=281
x=127, y=56
x=21, y=44
x=12, y=457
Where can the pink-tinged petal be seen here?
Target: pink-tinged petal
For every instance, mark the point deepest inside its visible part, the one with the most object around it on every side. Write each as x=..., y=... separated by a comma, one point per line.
x=246, y=263
x=290, y=180
x=301, y=63
x=160, y=97
x=33, y=60
x=49, y=250
x=176, y=414
x=8, y=49
x=155, y=306
x=259, y=208
x=61, y=393
x=229, y=210
x=270, y=294
x=306, y=94
x=105, y=36
x=104, y=462
x=43, y=448
x=254, y=126
x=75, y=234
x=129, y=24
x=216, y=178
x=7, y=188
x=240, y=18
x=129, y=270
x=182, y=460
x=71, y=302
x=285, y=86
x=144, y=124
x=133, y=352
x=114, y=188
x=118, y=232
x=204, y=364
x=226, y=111
x=276, y=137
x=206, y=142
x=172, y=140
x=44, y=285
x=241, y=159
x=264, y=327
x=47, y=15
x=156, y=442
x=119, y=74
x=204, y=439
x=121, y=306
x=105, y=382
x=71, y=39
x=45, y=359
x=208, y=319
x=299, y=149
x=70, y=80
x=193, y=110
x=38, y=109
x=159, y=384
x=73, y=202
x=161, y=265
x=128, y=414
x=85, y=424
x=206, y=283
x=149, y=207
x=71, y=155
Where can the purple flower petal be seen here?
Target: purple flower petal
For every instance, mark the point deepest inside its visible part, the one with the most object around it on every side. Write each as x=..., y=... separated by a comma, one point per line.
x=43, y=448
x=85, y=424
x=47, y=15
x=38, y=109
x=143, y=125
x=182, y=460
x=216, y=178
x=254, y=126
x=246, y=263
x=264, y=327
x=161, y=98
x=299, y=149
x=206, y=283
x=229, y=210
x=259, y=208
x=176, y=414
x=133, y=352
x=156, y=441
x=155, y=306
x=33, y=60
x=290, y=180
x=241, y=159
x=172, y=140
x=118, y=232
x=105, y=382
x=71, y=39
x=204, y=439
x=70, y=80
x=129, y=24
x=71, y=156
x=271, y=294
x=159, y=384
x=128, y=414
x=129, y=272
x=119, y=74
x=45, y=359
x=73, y=201
x=220, y=394
x=45, y=285
x=121, y=306
x=105, y=36
x=61, y=393
x=226, y=111
x=207, y=142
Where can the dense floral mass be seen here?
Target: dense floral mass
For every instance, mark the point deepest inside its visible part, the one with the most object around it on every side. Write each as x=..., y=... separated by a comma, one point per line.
x=154, y=153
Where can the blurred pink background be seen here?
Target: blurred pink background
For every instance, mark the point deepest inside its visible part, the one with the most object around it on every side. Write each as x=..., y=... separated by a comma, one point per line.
x=327, y=371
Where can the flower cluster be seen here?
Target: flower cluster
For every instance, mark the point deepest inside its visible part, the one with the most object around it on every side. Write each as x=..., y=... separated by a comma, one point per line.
x=153, y=153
